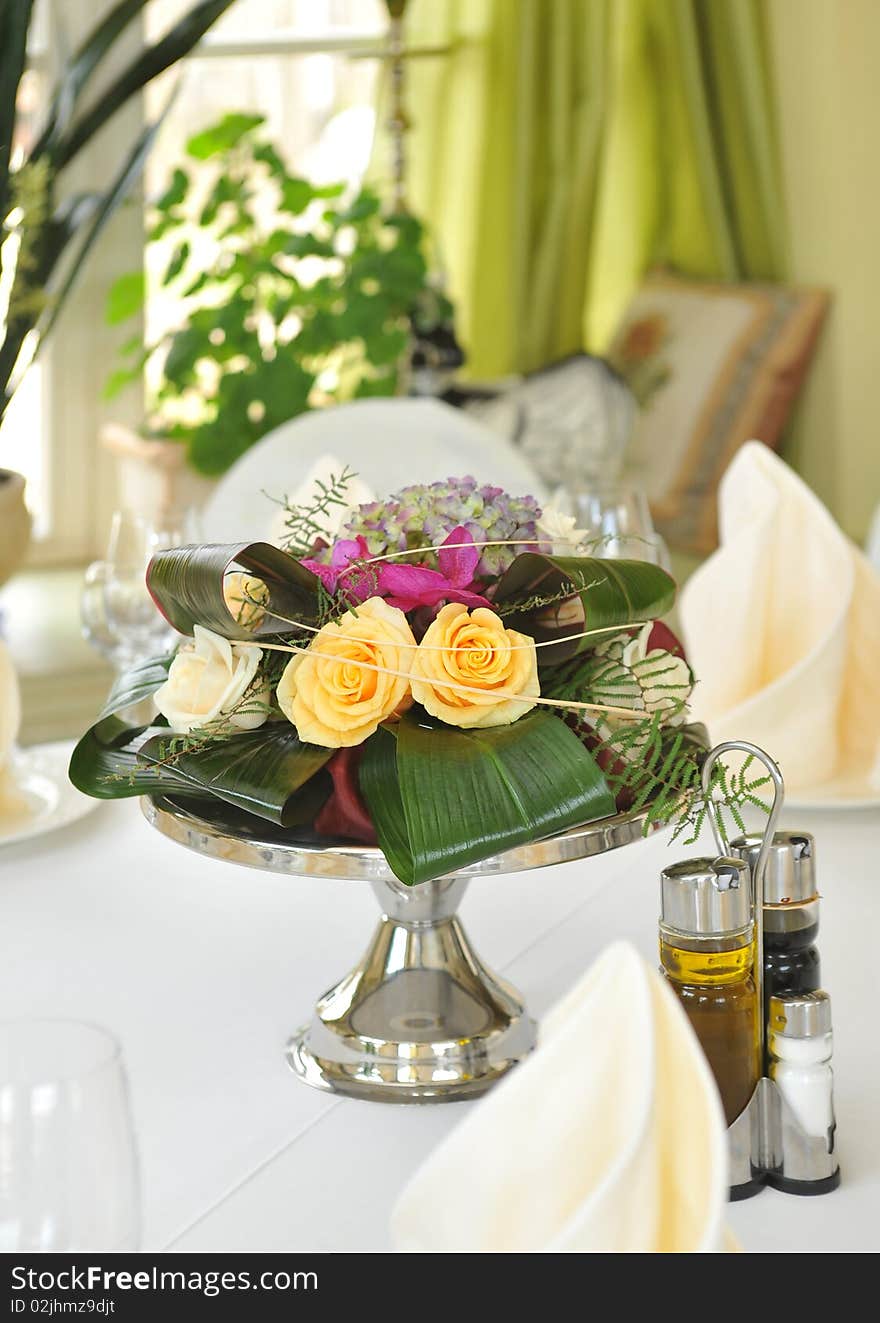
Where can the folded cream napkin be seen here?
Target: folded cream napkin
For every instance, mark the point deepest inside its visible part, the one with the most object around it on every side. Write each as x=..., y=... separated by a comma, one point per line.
x=782, y=627
x=13, y=805
x=610, y=1137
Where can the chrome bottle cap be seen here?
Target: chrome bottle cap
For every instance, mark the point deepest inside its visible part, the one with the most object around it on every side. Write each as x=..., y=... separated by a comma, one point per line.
x=805, y=1015
x=706, y=897
x=790, y=874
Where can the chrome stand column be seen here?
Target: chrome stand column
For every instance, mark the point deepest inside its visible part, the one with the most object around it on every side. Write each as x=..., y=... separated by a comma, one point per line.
x=421, y=1018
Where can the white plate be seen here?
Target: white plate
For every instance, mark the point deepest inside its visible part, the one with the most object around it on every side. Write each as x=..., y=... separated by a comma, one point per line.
x=40, y=774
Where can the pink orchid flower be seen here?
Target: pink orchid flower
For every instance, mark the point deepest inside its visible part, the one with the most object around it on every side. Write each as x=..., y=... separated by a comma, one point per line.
x=411, y=586
x=344, y=552
x=404, y=586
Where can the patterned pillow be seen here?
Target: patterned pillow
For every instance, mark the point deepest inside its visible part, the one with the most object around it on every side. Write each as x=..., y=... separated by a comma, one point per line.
x=712, y=366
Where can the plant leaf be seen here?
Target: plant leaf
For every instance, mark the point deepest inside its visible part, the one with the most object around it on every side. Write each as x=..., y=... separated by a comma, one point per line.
x=105, y=763
x=186, y=583
x=610, y=592
x=125, y=297
x=380, y=787
x=15, y=17
x=136, y=684
x=259, y=771
x=177, y=42
x=220, y=137
x=449, y=798
x=80, y=67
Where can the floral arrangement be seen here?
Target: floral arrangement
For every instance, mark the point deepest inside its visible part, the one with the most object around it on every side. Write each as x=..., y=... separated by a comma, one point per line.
x=444, y=679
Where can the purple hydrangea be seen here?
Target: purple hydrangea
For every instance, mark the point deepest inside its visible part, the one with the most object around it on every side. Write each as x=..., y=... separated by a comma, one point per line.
x=424, y=514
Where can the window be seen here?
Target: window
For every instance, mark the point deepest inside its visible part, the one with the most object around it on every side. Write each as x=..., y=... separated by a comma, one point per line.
x=305, y=65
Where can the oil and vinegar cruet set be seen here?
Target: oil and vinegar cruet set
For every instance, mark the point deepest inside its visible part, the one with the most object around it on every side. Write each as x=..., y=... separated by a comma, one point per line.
x=737, y=945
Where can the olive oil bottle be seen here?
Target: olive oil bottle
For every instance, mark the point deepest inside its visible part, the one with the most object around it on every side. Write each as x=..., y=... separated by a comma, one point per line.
x=707, y=953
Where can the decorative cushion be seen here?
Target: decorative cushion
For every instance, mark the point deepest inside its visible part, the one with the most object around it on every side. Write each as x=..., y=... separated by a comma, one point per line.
x=712, y=366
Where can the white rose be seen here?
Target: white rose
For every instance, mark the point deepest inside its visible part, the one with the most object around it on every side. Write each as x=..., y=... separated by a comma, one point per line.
x=208, y=679
x=559, y=529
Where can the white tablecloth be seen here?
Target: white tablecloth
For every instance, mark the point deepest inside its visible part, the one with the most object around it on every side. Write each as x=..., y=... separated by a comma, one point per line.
x=203, y=969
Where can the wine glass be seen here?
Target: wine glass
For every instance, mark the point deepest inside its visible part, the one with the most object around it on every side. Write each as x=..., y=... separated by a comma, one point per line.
x=119, y=617
x=615, y=522
x=68, y=1163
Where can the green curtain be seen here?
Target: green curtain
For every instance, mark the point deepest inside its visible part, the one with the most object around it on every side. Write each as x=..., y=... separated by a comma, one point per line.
x=562, y=147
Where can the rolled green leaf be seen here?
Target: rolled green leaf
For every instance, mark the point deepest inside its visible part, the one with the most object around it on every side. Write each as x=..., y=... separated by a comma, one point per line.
x=441, y=799
x=186, y=583
x=105, y=763
x=136, y=684
x=268, y=772
x=259, y=771
x=562, y=595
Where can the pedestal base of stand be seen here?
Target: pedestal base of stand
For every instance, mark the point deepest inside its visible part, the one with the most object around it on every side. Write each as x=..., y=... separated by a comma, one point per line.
x=420, y=1019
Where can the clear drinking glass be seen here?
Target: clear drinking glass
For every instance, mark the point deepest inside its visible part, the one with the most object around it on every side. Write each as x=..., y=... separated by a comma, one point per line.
x=119, y=617
x=68, y=1162
x=616, y=522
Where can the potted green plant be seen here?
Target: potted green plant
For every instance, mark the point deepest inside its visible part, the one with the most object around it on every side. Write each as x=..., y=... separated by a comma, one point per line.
x=290, y=296
x=47, y=232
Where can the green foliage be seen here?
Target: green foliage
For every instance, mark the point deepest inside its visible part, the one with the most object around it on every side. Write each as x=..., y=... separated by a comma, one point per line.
x=652, y=762
x=187, y=585
x=441, y=799
x=55, y=237
x=292, y=296
x=590, y=594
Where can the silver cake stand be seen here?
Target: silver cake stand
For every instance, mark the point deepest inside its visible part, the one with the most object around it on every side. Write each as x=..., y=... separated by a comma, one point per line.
x=420, y=1018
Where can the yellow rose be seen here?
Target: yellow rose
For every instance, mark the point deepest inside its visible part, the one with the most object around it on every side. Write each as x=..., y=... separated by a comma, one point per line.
x=473, y=649
x=331, y=693
x=242, y=593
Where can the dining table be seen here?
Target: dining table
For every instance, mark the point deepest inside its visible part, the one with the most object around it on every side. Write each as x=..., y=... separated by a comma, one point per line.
x=203, y=968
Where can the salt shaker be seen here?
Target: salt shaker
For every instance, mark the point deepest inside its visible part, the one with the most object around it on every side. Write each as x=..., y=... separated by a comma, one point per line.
x=800, y=1048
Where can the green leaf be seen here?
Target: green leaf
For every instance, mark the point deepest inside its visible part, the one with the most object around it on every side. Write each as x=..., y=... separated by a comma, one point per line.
x=385, y=348
x=259, y=771
x=302, y=245
x=105, y=763
x=175, y=192
x=118, y=380
x=608, y=592
x=178, y=261
x=185, y=350
x=265, y=152
x=80, y=67
x=137, y=683
x=186, y=583
x=222, y=136
x=268, y=772
x=177, y=42
x=380, y=386
x=125, y=297
x=365, y=205
x=443, y=798
x=169, y=221
x=14, y=22
x=296, y=194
